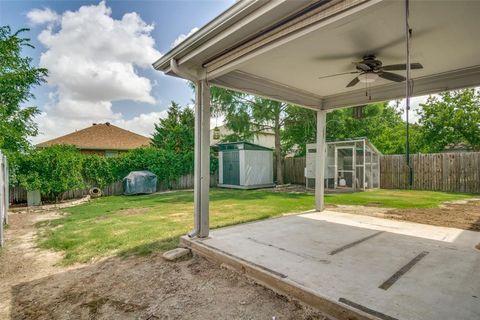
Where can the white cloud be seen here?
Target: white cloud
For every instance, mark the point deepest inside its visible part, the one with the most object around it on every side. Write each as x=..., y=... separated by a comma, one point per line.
x=143, y=123
x=93, y=61
x=42, y=16
x=182, y=37
x=415, y=103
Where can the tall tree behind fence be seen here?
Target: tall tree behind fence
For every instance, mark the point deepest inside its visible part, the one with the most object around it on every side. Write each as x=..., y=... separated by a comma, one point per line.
x=451, y=172
x=19, y=195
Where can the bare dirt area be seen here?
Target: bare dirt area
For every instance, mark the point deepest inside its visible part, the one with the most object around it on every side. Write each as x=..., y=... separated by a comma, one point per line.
x=34, y=286
x=464, y=214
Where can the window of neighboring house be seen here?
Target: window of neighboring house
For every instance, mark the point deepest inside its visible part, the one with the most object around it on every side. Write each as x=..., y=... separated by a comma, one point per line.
x=111, y=153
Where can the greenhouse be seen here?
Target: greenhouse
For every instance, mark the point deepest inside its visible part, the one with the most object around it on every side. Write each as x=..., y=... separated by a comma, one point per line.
x=351, y=165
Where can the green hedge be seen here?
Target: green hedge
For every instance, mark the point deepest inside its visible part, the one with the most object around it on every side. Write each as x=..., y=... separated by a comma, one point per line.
x=56, y=169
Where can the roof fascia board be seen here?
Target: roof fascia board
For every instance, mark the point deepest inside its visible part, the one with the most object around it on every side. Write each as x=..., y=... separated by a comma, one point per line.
x=248, y=83
x=457, y=79
x=259, y=12
x=334, y=12
x=236, y=12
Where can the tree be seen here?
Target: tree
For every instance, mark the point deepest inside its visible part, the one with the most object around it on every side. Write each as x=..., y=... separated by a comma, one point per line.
x=247, y=116
x=452, y=118
x=17, y=78
x=300, y=128
x=381, y=123
x=176, y=131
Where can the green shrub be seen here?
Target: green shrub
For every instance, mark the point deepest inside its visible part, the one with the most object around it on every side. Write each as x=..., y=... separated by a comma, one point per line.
x=57, y=169
x=97, y=171
x=52, y=170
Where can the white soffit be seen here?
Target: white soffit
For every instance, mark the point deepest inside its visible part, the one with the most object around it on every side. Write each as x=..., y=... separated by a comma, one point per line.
x=445, y=41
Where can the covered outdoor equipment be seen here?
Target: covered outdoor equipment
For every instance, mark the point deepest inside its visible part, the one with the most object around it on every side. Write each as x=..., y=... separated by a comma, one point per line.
x=138, y=182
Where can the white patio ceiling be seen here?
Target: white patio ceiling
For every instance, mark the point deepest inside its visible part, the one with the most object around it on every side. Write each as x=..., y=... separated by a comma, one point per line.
x=284, y=61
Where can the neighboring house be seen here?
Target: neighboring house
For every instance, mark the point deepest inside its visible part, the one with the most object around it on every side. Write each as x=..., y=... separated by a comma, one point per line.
x=103, y=139
x=265, y=138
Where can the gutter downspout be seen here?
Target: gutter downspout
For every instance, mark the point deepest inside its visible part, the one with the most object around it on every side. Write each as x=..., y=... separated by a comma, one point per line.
x=182, y=73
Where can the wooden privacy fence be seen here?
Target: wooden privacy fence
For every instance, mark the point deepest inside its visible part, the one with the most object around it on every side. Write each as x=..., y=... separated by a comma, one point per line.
x=294, y=170
x=451, y=172
x=19, y=195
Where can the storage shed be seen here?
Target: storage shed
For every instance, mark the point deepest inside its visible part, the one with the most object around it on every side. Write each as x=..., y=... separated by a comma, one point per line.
x=350, y=165
x=245, y=165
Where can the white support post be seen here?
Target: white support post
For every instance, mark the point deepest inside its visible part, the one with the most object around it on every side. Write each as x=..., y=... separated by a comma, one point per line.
x=202, y=159
x=320, y=160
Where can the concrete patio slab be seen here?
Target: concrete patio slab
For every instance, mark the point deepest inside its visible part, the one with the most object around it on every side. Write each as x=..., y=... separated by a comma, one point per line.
x=357, y=267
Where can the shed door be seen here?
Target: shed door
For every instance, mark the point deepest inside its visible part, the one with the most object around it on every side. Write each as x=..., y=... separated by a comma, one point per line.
x=231, y=168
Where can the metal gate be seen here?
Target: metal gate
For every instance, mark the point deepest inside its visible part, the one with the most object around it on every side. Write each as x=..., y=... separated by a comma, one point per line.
x=231, y=168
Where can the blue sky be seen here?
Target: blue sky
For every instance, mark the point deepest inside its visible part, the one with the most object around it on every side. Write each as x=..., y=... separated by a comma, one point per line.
x=70, y=100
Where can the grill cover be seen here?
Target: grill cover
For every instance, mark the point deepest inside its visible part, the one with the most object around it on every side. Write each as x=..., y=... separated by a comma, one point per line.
x=140, y=182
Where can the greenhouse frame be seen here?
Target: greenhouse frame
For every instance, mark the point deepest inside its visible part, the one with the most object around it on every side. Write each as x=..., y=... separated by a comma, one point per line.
x=351, y=165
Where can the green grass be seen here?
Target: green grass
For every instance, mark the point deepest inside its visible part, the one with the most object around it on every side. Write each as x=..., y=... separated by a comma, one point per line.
x=142, y=224
x=401, y=199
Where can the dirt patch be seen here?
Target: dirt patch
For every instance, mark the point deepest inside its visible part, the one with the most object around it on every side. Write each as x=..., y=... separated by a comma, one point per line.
x=34, y=286
x=463, y=214
x=367, y=211
x=150, y=288
x=20, y=260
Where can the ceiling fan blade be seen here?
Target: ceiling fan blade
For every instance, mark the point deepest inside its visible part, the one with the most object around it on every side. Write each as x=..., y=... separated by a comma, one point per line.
x=338, y=74
x=353, y=82
x=402, y=66
x=392, y=76
x=362, y=66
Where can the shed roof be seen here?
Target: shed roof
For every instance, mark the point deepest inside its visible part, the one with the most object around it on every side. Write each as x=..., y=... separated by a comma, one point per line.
x=243, y=145
x=102, y=136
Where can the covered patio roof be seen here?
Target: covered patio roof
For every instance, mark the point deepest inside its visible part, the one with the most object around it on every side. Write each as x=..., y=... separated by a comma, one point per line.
x=282, y=49
x=279, y=49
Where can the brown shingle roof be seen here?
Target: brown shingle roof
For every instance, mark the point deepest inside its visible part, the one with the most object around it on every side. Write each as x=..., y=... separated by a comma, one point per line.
x=102, y=136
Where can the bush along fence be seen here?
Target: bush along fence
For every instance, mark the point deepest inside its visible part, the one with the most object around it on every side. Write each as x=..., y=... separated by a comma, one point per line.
x=61, y=172
x=449, y=172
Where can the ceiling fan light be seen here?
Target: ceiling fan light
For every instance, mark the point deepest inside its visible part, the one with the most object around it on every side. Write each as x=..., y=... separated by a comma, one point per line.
x=368, y=77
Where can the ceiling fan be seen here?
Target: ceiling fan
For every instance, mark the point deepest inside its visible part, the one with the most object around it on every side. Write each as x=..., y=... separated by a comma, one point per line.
x=370, y=69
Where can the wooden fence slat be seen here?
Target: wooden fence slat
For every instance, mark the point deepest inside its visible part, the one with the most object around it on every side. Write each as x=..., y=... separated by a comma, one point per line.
x=450, y=172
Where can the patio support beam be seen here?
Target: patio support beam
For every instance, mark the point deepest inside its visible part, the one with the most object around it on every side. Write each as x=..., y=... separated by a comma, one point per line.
x=202, y=159
x=320, y=160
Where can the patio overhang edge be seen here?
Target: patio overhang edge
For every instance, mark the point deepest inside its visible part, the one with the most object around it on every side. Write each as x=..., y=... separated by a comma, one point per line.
x=248, y=83
x=236, y=12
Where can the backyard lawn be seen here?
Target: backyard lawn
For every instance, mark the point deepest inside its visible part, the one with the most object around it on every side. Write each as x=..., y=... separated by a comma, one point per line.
x=141, y=224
